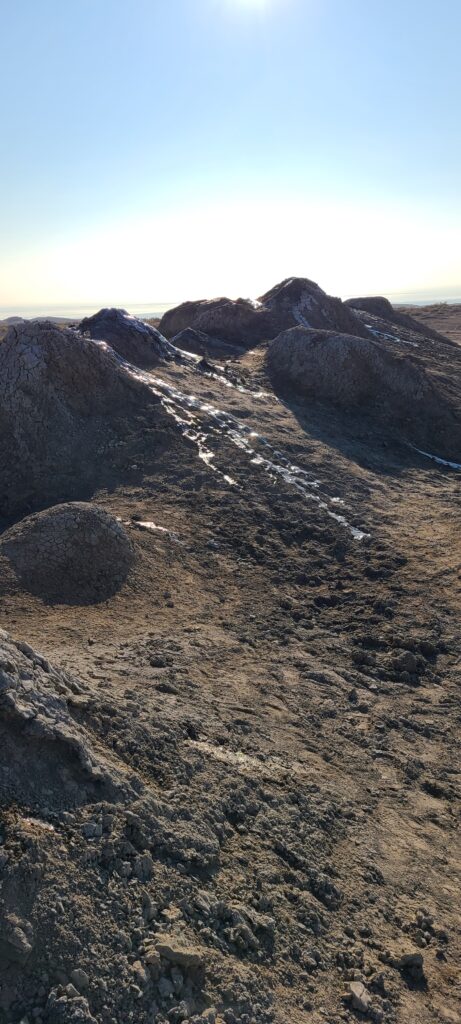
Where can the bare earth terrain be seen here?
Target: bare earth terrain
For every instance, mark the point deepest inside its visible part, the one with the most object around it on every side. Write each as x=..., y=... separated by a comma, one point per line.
x=230, y=788
x=441, y=317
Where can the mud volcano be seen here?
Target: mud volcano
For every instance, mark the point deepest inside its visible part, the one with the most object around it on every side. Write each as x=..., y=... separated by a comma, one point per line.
x=363, y=377
x=70, y=554
x=137, y=342
x=295, y=301
x=64, y=404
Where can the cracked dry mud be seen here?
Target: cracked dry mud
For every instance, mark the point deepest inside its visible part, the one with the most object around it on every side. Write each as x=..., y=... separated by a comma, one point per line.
x=230, y=792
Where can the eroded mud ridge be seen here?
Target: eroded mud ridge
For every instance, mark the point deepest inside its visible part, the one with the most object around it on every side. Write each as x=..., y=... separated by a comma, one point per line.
x=229, y=667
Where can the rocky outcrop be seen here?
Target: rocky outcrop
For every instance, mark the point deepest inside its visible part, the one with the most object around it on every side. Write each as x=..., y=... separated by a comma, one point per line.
x=64, y=400
x=70, y=554
x=136, y=341
x=296, y=301
x=361, y=376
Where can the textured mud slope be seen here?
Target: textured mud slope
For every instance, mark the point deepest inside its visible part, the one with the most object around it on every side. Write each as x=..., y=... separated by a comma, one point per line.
x=74, y=553
x=245, y=323
x=363, y=376
x=63, y=403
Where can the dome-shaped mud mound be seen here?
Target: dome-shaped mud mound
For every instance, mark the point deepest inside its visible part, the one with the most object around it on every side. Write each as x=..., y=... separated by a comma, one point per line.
x=137, y=342
x=361, y=376
x=71, y=554
x=64, y=403
x=296, y=301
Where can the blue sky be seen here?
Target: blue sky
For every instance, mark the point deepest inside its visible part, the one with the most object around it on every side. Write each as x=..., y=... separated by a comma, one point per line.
x=164, y=149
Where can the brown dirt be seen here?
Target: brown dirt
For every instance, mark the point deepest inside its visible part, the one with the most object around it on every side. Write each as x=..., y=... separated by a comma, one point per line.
x=441, y=317
x=282, y=701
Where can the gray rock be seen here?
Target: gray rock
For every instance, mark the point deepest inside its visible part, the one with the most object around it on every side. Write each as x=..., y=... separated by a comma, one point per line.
x=360, y=997
x=80, y=979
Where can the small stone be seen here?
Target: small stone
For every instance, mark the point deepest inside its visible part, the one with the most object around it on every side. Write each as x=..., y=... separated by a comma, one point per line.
x=92, y=829
x=71, y=992
x=412, y=964
x=177, y=952
x=360, y=998
x=80, y=979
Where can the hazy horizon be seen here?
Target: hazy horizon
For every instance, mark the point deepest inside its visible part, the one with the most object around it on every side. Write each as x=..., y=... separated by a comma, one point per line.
x=210, y=147
x=148, y=310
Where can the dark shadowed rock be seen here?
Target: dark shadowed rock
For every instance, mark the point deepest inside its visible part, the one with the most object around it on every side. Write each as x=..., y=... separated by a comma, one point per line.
x=63, y=399
x=361, y=376
x=137, y=342
x=296, y=301
x=71, y=554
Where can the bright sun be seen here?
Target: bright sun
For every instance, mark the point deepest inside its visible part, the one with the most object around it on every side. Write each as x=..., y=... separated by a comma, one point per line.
x=258, y=4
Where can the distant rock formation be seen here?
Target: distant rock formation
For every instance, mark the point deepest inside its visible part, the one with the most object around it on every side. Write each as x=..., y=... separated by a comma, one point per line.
x=137, y=342
x=63, y=398
x=362, y=376
x=75, y=553
x=296, y=301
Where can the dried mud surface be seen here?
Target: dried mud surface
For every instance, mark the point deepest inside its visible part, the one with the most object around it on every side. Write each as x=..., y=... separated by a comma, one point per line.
x=240, y=782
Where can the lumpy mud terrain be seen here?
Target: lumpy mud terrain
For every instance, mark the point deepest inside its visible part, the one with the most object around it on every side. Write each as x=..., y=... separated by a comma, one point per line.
x=229, y=707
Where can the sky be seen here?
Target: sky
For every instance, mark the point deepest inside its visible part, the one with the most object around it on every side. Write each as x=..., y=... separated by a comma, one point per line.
x=160, y=150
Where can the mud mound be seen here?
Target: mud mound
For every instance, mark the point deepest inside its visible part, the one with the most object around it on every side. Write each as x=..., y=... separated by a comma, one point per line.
x=382, y=314
x=137, y=342
x=47, y=759
x=71, y=554
x=300, y=302
x=296, y=301
x=237, y=322
x=64, y=400
x=360, y=375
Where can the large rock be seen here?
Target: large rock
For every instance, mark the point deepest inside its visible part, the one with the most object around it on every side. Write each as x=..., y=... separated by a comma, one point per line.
x=64, y=400
x=296, y=301
x=73, y=554
x=361, y=376
x=137, y=342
